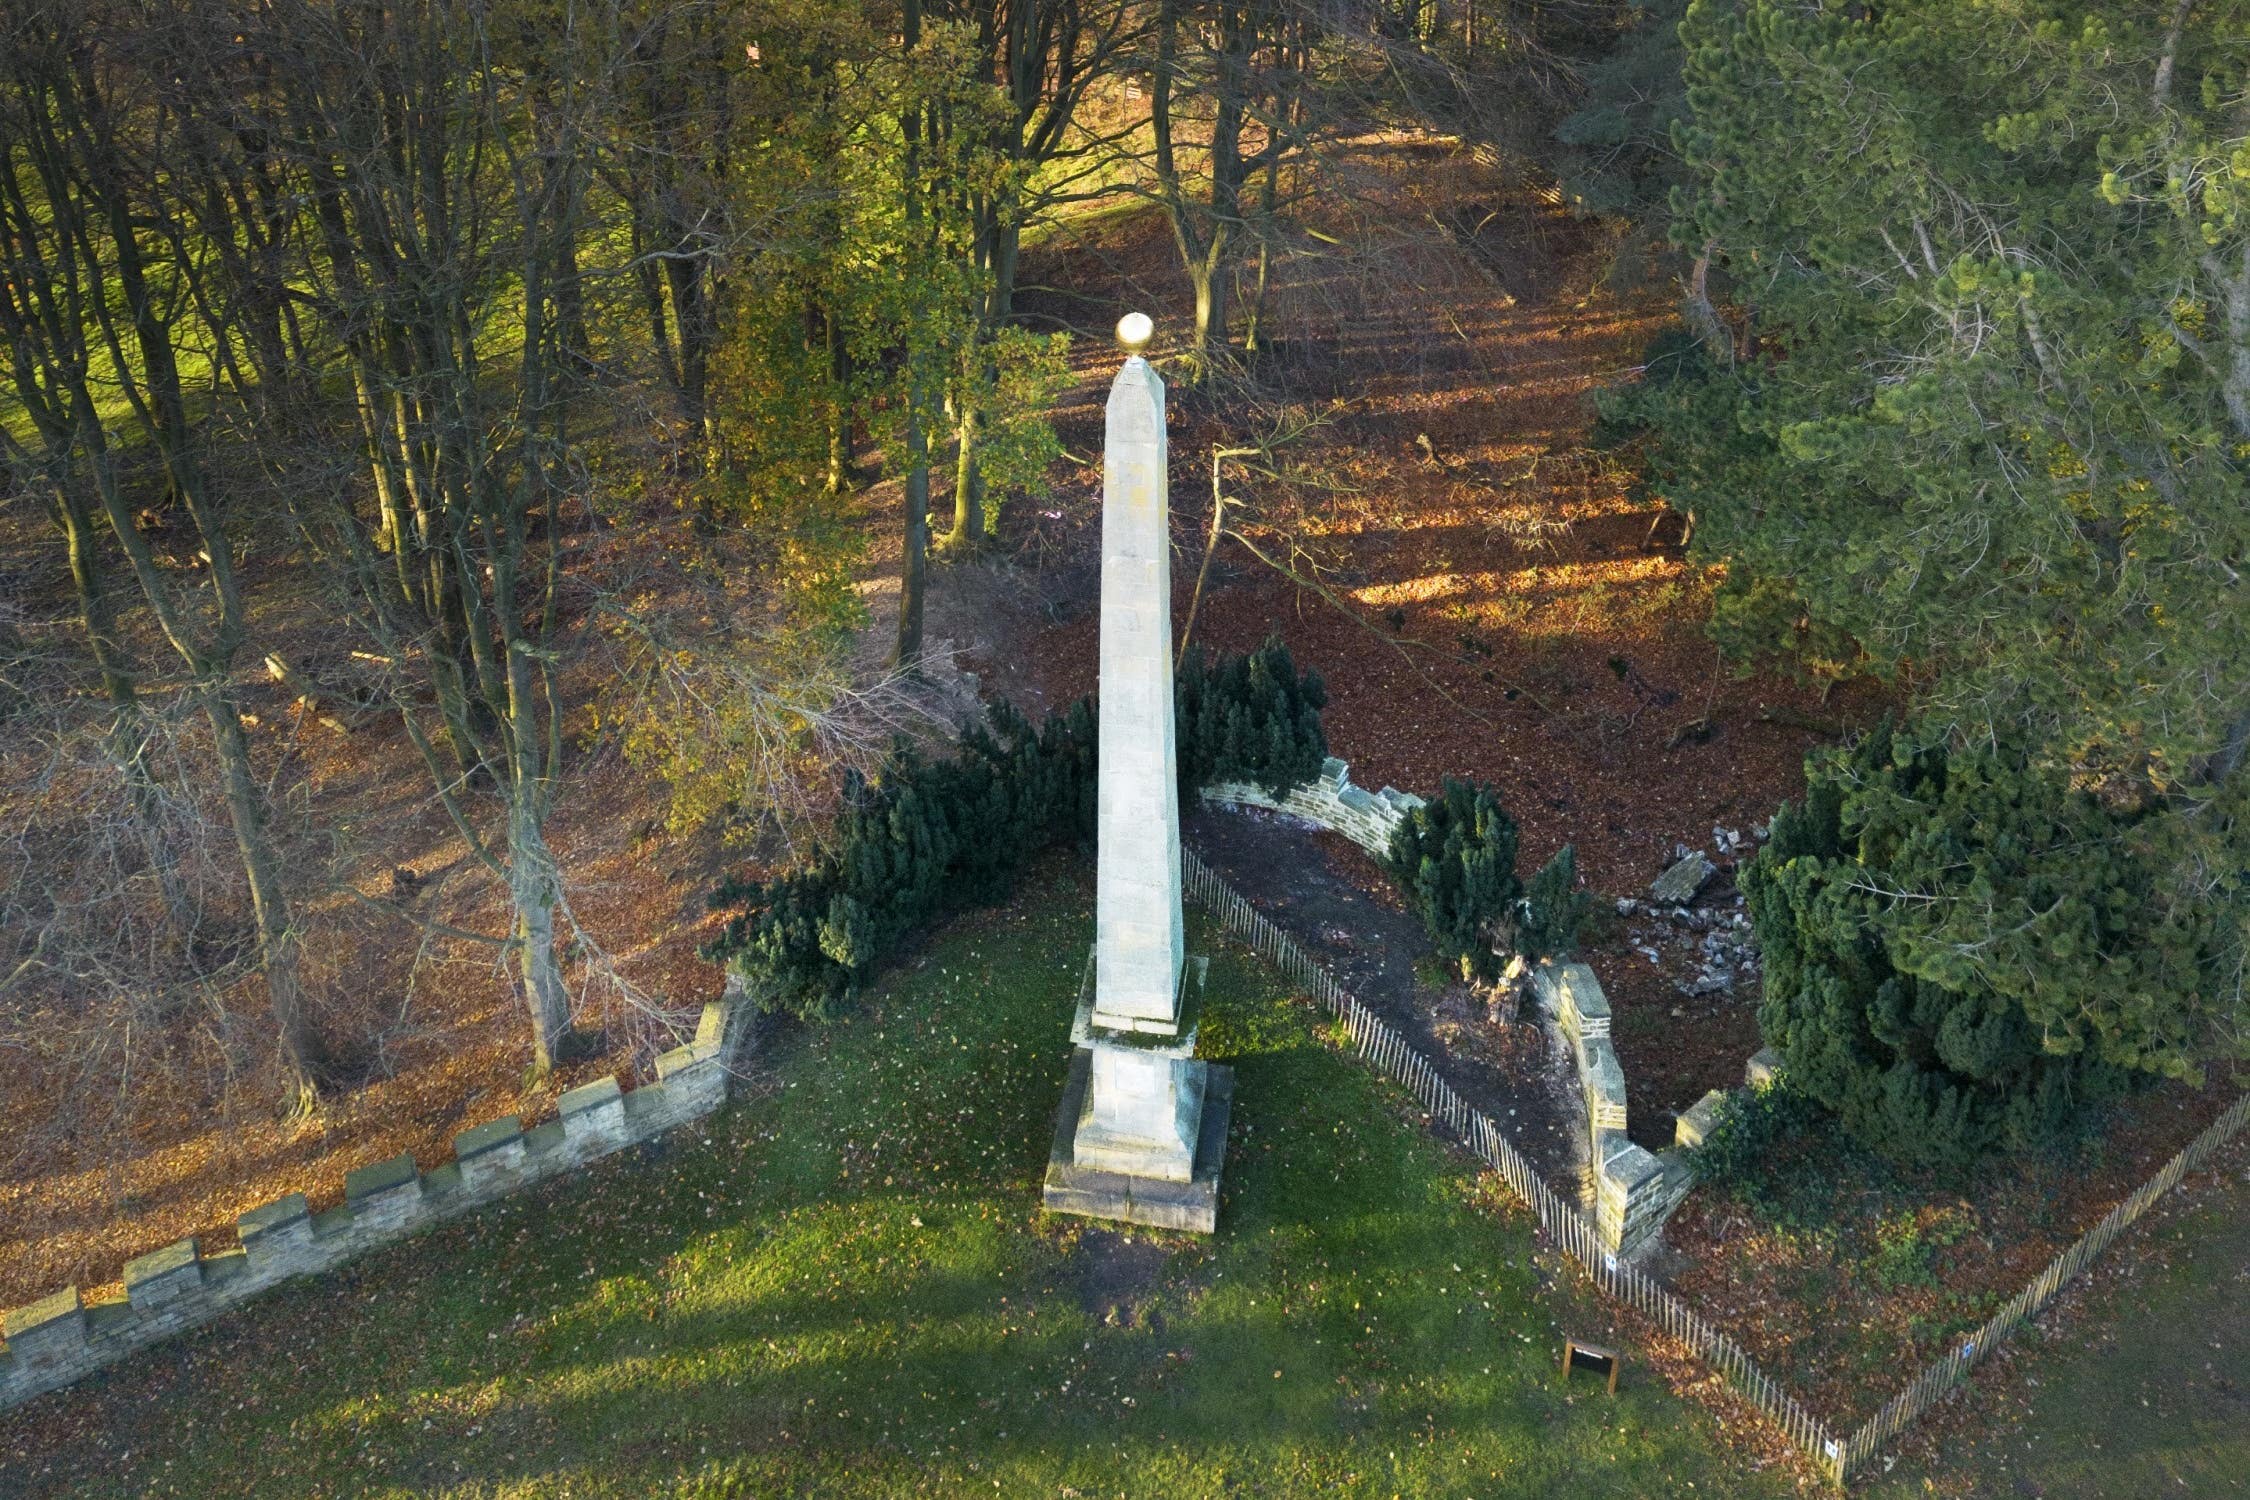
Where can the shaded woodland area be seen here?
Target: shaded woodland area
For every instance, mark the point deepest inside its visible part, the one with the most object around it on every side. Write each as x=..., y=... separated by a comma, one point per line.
x=477, y=469
x=431, y=426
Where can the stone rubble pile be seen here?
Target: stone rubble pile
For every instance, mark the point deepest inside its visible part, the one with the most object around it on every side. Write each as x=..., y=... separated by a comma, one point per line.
x=1724, y=953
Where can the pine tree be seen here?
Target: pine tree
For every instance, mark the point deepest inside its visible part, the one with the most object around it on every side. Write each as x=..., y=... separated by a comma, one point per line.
x=1993, y=410
x=1982, y=421
x=1455, y=857
x=1553, y=909
x=1618, y=157
x=1964, y=953
x=1251, y=718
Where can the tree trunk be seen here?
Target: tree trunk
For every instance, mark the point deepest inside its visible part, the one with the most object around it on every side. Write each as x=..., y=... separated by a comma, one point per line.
x=968, y=486
x=691, y=314
x=158, y=398
x=532, y=890
x=651, y=283
x=1006, y=254
x=124, y=739
x=840, y=416
x=1701, y=315
x=914, y=569
x=1208, y=279
x=304, y=1054
x=570, y=311
x=1255, y=312
x=93, y=594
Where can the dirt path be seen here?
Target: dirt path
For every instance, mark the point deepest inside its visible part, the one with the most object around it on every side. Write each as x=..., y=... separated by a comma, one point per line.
x=1329, y=896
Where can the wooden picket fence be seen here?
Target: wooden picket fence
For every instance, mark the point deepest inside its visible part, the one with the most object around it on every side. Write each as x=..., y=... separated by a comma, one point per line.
x=1562, y=1224
x=1559, y=1219
x=1931, y=1386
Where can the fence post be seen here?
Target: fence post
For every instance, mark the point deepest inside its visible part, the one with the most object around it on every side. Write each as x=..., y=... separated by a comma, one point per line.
x=1376, y=1041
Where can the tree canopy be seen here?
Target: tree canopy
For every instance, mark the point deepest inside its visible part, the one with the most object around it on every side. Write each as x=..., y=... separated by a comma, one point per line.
x=1987, y=404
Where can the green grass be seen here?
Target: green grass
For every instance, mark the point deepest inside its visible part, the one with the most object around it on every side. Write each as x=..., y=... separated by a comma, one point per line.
x=843, y=1285
x=2144, y=1393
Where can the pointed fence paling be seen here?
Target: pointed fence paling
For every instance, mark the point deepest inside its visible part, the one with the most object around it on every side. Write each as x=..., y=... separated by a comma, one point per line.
x=1561, y=1222
x=1940, y=1377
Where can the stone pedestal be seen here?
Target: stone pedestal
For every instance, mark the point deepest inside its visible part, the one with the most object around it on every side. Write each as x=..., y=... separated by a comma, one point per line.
x=1134, y=1138
x=1141, y=1114
x=1143, y=1121
x=1135, y=1197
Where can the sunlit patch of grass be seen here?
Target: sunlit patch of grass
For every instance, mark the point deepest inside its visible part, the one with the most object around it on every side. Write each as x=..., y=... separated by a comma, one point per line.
x=844, y=1285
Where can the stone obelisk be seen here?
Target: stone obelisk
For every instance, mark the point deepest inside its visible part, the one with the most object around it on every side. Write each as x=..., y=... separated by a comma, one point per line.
x=1143, y=1122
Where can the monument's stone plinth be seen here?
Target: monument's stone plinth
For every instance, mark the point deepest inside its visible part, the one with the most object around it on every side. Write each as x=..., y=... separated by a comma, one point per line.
x=1136, y=1197
x=1143, y=1120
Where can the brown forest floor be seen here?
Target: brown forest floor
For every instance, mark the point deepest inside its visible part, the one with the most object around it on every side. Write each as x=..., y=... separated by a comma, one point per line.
x=186, y=1144
x=1500, y=611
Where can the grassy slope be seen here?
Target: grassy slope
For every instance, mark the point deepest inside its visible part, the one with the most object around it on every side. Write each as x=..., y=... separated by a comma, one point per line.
x=848, y=1289
x=2145, y=1392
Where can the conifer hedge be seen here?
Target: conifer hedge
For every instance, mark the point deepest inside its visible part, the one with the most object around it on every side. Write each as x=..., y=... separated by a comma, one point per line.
x=925, y=837
x=1251, y=718
x=1964, y=952
x=1455, y=859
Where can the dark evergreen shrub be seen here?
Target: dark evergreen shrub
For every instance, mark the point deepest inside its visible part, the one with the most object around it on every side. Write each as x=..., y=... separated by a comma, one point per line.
x=1455, y=859
x=924, y=838
x=1553, y=909
x=1780, y=1154
x=1963, y=953
x=1249, y=719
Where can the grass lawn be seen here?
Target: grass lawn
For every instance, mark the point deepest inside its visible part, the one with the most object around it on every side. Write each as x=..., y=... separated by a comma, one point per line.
x=843, y=1285
x=2142, y=1392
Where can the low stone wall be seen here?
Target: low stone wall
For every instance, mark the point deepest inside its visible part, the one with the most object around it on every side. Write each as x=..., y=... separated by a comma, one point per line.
x=60, y=1338
x=1329, y=799
x=1635, y=1190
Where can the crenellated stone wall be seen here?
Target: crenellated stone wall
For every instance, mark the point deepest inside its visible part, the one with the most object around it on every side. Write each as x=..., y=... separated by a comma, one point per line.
x=1329, y=799
x=61, y=1337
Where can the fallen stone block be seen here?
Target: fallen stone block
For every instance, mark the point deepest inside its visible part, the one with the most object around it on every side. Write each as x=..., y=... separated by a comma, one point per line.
x=1679, y=885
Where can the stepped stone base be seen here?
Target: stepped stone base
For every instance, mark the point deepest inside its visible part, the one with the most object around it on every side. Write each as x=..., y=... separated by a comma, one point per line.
x=1191, y=1205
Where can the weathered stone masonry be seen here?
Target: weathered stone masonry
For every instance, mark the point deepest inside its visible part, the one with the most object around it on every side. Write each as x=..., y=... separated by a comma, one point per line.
x=1366, y=818
x=1635, y=1190
x=60, y=1338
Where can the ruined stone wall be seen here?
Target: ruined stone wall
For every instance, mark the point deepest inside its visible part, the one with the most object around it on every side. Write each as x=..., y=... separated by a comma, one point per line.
x=1635, y=1190
x=61, y=1337
x=1329, y=799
